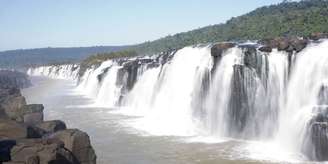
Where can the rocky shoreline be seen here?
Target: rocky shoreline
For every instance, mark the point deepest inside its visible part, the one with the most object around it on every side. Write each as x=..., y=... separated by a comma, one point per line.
x=26, y=138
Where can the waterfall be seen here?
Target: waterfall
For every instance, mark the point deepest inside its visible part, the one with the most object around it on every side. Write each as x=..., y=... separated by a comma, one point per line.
x=302, y=107
x=243, y=93
x=68, y=71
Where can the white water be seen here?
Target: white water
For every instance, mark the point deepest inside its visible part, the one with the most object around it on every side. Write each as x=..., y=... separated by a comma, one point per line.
x=69, y=71
x=163, y=97
x=309, y=74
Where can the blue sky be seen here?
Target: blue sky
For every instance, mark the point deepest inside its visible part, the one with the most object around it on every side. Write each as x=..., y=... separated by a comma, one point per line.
x=71, y=23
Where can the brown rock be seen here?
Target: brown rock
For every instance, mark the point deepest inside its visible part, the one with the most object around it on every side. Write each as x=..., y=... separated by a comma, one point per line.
x=12, y=130
x=35, y=151
x=219, y=48
x=52, y=126
x=32, y=114
x=78, y=143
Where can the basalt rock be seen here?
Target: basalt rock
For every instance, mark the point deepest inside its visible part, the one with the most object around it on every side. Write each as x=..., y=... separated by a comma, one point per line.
x=11, y=101
x=10, y=129
x=78, y=143
x=218, y=49
x=240, y=105
x=32, y=114
x=40, y=152
x=45, y=129
x=288, y=44
x=265, y=49
x=315, y=145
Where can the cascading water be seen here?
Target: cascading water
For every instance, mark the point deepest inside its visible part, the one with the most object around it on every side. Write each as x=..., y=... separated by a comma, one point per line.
x=302, y=108
x=243, y=93
x=68, y=71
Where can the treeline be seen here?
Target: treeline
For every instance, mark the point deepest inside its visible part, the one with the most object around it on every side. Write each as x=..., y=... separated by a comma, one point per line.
x=284, y=19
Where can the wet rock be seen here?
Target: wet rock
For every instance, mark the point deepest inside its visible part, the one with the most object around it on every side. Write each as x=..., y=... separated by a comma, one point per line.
x=10, y=129
x=323, y=95
x=265, y=49
x=219, y=48
x=240, y=105
x=315, y=145
x=78, y=143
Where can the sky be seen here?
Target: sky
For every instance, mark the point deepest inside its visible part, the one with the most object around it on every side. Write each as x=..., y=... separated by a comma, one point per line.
x=76, y=23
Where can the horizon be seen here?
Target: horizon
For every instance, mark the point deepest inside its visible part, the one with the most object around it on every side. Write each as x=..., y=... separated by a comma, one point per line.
x=60, y=24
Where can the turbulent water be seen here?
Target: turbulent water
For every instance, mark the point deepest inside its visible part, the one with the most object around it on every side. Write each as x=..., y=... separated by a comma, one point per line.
x=277, y=99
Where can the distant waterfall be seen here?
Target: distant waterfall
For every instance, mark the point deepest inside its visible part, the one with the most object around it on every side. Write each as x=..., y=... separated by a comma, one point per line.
x=69, y=71
x=244, y=94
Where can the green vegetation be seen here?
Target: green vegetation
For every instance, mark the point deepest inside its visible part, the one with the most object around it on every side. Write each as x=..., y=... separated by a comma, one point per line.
x=284, y=19
x=100, y=57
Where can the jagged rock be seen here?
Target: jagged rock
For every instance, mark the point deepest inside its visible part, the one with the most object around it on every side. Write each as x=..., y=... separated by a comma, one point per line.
x=10, y=129
x=32, y=114
x=219, y=48
x=78, y=143
x=5, y=147
x=37, y=151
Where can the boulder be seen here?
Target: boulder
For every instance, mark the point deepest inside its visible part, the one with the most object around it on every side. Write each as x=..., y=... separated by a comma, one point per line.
x=11, y=101
x=219, y=48
x=45, y=129
x=52, y=126
x=36, y=151
x=10, y=129
x=78, y=143
x=32, y=114
x=298, y=44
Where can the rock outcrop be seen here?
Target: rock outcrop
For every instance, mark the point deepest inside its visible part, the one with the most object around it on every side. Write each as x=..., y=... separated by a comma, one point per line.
x=25, y=137
x=288, y=44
